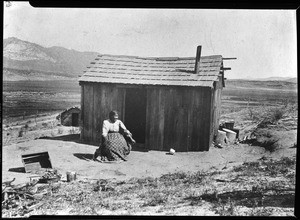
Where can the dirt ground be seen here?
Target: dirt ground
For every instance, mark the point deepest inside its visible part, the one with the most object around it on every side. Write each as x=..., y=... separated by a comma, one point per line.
x=68, y=154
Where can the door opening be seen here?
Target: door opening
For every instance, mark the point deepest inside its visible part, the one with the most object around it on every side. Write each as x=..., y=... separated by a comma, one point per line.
x=135, y=113
x=75, y=117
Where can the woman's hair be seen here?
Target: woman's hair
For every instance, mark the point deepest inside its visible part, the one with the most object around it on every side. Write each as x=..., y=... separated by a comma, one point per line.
x=113, y=113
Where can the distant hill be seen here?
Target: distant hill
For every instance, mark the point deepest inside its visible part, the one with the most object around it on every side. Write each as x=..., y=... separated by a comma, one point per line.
x=278, y=79
x=261, y=84
x=21, y=58
x=285, y=79
x=292, y=80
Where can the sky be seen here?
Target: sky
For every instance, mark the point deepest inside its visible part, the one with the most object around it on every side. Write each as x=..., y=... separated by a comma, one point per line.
x=263, y=41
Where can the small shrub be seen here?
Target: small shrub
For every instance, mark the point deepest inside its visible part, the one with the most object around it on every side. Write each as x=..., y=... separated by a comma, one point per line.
x=277, y=114
x=282, y=166
x=195, y=178
x=33, y=128
x=260, y=211
x=288, y=161
x=227, y=209
x=254, y=164
x=115, y=206
x=238, y=168
x=156, y=199
x=270, y=145
x=21, y=132
x=173, y=176
x=252, y=114
x=271, y=117
x=52, y=124
x=26, y=126
x=255, y=113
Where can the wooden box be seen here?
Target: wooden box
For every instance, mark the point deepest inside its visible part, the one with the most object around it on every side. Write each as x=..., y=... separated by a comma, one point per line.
x=36, y=161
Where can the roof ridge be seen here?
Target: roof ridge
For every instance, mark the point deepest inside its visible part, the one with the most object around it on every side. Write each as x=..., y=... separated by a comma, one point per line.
x=157, y=58
x=111, y=55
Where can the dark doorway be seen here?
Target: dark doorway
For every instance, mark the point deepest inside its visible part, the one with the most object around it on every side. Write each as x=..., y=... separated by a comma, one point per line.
x=75, y=117
x=135, y=113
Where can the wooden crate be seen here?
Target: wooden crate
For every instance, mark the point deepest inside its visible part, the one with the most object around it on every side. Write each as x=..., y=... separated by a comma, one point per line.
x=36, y=161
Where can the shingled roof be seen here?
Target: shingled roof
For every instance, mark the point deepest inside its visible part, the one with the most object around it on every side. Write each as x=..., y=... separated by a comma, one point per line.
x=173, y=71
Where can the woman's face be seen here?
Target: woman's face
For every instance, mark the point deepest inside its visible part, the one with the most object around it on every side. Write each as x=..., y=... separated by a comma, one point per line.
x=114, y=118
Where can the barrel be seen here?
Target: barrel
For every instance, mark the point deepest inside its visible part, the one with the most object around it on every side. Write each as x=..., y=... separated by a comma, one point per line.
x=71, y=176
x=221, y=137
x=231, y=135
x=237, y=131
x=229, y=124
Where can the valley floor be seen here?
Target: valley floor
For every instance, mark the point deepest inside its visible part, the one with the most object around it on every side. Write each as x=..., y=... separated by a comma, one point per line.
x=255, y=177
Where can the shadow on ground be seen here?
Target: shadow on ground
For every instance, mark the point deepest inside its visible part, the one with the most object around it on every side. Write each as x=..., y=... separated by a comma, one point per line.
x=86, y=157
x=139, y=148
x=76, y=139
x=246, y=198
x=70, y=138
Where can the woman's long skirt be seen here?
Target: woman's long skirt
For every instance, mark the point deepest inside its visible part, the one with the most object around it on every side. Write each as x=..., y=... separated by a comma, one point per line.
x=115, y=147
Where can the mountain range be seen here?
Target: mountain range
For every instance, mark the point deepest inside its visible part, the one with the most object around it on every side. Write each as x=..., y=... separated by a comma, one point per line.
x=23, y=60
x=26, y=59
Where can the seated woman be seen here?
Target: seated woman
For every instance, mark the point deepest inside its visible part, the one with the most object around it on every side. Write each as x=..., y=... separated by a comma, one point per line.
x=116, y=140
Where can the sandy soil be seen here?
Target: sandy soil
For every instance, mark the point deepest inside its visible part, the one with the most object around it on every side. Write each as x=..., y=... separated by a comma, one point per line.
x=68, y=154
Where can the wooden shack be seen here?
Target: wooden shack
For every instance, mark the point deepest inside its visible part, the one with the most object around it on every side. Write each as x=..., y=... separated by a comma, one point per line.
x=70, y=117
x=166, y=102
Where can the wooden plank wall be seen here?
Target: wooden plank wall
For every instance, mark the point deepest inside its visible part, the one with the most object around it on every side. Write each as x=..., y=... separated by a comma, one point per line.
x=81, y=115
x=98, y=101
x=208, y=115
x=212, y=115
x=178, y=118
x=155, y=119
x=217, y=105
x=87, y=112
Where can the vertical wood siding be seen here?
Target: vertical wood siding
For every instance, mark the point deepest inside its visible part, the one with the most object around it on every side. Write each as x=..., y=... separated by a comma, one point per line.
x=217, y=106
x=82, y=113
x=181, y=118
x=178, y=118
x=88, y=112
x=98, y=101
x=155, y=119
x=211, y=118
x=97, y=124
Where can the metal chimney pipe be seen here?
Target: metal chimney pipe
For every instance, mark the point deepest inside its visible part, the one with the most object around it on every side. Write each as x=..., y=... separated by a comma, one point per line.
x=198, y=56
